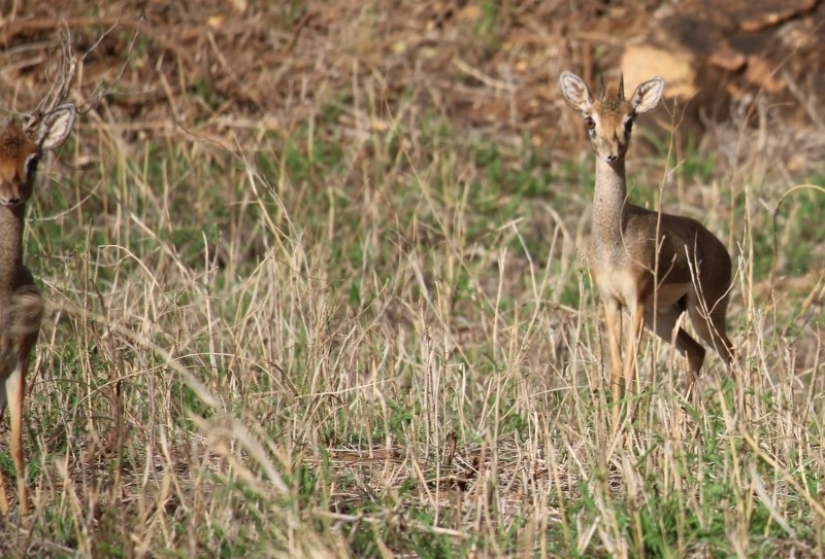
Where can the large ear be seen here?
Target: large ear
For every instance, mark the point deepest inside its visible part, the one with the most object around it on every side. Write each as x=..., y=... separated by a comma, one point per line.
x=55, y=127
x=648, y=95
x=575, y=92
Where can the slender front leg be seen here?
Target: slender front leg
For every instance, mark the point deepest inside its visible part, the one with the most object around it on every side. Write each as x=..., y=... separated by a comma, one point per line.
x=15, y=390
x=613, y=314
x=4, y=500
x=637, y=320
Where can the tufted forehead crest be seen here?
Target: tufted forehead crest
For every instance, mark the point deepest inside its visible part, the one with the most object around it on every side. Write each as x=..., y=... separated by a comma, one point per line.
x=13, y=143
x=612, y=98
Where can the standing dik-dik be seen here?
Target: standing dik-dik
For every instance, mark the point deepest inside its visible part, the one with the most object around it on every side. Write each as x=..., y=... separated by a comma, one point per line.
x=21, y=306
x=656, y=265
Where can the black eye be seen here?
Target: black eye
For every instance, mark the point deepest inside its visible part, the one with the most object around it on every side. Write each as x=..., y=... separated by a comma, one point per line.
x=590, y=123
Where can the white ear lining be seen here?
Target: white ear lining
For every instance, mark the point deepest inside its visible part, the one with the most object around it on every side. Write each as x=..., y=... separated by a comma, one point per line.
x=56, y=127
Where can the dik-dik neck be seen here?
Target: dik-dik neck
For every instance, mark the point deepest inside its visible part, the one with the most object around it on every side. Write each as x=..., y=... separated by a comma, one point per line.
x=11, y=246
x=609, y=200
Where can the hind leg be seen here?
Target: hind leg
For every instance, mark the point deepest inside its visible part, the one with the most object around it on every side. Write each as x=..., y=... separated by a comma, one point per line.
x=709, y=322
x=664, y=325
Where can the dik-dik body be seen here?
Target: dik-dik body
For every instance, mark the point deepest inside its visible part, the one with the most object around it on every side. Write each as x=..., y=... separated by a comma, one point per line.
x=655, y=265
x=21, y=305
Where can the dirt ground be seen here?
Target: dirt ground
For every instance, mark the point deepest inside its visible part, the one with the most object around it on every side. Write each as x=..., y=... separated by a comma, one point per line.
x=230, y=70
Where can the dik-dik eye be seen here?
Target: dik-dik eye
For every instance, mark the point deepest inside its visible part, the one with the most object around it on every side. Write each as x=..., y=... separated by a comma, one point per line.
x=590, y=124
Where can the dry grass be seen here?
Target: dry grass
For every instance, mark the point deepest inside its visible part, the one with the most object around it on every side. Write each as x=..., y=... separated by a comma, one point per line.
x=371, y=333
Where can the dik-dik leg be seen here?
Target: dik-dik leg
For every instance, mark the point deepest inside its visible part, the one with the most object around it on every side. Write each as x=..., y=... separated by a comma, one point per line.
x=14, y=389
x=613, y=316
x=637, y=317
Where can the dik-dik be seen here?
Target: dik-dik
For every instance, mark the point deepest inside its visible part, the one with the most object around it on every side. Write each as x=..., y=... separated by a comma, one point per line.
x=21, y=305
x=655, y=265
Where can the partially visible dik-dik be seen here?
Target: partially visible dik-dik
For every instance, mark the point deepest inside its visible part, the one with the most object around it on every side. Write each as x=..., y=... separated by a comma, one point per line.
x=21, y=306
x=655, y=265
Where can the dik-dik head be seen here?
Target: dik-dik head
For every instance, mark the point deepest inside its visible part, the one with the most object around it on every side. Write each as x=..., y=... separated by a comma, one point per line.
x=19, y=153
x=609, y=119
